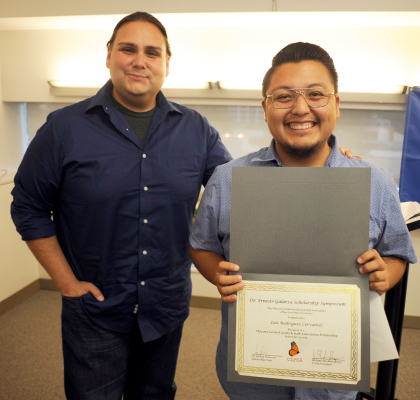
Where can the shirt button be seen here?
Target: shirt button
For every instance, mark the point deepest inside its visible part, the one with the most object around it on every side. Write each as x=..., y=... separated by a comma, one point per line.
x=127, y=129
x=146, y=188
x=142, y=283
x=144, y=252
x=144, y=155
x=145, y=221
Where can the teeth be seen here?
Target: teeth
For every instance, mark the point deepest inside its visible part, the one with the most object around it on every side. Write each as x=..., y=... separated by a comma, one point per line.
x=303, y=126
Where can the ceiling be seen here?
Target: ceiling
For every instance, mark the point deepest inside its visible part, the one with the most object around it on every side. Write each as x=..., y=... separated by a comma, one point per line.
x=42, y=8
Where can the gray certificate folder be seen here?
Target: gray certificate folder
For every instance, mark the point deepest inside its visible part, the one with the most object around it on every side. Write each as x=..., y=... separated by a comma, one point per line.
x=301, y=225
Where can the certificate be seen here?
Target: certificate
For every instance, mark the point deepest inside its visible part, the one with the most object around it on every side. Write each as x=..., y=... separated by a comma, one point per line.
x=299, y=331
x=300, y=228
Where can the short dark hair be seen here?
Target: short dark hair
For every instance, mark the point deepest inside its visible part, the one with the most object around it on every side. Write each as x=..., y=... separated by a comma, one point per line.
x=297, y=52
x=141, y=16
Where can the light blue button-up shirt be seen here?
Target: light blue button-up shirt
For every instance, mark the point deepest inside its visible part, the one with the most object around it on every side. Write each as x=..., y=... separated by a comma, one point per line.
x=388, y=234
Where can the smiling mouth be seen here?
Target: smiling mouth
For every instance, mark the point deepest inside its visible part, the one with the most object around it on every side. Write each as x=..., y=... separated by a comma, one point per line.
x=296, y=126
x=137, y=76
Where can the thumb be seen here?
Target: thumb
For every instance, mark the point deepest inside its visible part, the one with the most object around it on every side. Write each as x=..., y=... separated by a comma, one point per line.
x=97, y=294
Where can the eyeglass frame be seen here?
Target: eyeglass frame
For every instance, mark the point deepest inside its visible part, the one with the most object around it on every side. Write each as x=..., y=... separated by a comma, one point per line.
x=297, y=95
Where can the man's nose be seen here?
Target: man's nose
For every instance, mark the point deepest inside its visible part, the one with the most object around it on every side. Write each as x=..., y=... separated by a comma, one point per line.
x=140, y=60
x=301, y=106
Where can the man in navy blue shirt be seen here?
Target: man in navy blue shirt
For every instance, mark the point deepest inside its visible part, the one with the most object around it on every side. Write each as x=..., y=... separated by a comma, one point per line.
x=120, y=175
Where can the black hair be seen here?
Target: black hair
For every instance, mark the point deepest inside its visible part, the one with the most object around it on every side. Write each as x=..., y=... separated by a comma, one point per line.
x=297, y=52
x=141, y=16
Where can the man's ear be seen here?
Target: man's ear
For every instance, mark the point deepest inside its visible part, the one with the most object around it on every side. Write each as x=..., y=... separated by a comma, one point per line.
x=337, y=104
x=108, y=55
x=168, y=58
x=265, y=111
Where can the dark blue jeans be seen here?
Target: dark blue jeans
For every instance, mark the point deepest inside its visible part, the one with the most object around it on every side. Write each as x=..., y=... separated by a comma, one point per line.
x=100, y=364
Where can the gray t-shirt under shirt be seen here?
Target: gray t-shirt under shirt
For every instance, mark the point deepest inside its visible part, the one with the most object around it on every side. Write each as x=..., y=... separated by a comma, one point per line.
x=139, y=121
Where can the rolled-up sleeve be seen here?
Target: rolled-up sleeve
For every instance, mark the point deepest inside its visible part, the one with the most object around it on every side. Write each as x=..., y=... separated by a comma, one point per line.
x=37, y=185
x=217, y=154
x=389, y=234
x=205, y=232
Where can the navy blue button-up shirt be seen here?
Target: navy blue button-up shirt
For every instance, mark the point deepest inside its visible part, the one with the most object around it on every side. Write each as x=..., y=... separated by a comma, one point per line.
x=121, y=211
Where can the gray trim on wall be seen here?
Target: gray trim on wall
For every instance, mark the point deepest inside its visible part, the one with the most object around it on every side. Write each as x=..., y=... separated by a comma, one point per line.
x=196, y=301
x=410, y=321
x=18, y=297
x=47, y=284
x=206, y=302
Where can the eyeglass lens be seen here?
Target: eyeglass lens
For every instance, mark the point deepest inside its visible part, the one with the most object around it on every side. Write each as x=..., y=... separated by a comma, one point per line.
x=285, y=98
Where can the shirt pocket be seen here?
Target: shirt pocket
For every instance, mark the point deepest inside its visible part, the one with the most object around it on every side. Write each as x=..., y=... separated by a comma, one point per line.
x=185, y=177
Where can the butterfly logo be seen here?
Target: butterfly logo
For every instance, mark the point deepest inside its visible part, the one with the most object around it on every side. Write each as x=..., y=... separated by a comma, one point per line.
x=294, y=350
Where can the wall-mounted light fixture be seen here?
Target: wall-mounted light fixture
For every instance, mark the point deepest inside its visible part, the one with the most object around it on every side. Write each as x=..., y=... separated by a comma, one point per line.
x=214, y=85
x=388, y=89
x=372, y=88
x=215, y=93
x=76, y=84
x=74, y=88
x=345, y=87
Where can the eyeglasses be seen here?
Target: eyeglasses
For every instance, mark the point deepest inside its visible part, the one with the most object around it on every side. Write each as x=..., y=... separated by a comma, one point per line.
x=314, y=97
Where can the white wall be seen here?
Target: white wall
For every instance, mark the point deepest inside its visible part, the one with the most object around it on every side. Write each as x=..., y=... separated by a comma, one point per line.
x=11, y=140
x=30, y=58
x=18, y=268
x=202, y=287
x=48, y=55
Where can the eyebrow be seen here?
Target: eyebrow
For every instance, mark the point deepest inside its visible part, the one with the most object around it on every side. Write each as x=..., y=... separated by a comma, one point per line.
x=135, y=45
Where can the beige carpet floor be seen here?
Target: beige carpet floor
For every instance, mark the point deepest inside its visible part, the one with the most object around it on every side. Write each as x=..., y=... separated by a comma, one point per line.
x=31, y=360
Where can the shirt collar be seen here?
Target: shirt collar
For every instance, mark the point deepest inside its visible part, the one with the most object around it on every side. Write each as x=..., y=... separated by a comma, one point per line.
x=335, y=159
x=104, y=99
x=268, y=155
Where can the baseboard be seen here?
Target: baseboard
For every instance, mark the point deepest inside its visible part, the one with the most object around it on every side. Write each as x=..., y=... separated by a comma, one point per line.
x=206, y=302
x=47, y=284
x=19, y=296
x=411, y=322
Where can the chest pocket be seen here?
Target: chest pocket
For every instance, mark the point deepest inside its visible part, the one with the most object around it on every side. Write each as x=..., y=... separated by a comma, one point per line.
x=185, y=176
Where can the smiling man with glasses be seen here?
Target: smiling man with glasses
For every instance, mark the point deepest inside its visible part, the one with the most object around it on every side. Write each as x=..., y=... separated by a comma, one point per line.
x=301, y=107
